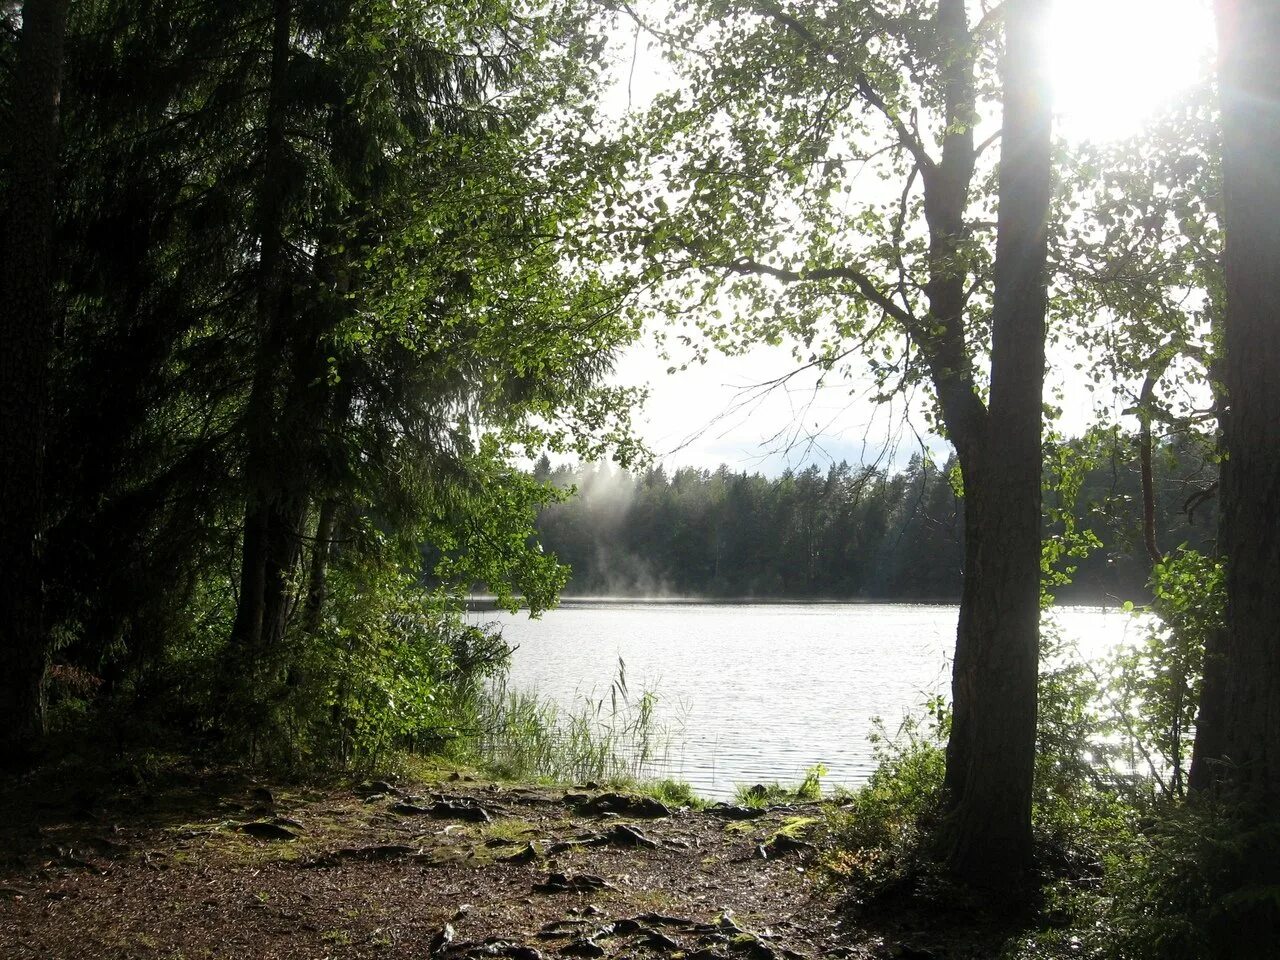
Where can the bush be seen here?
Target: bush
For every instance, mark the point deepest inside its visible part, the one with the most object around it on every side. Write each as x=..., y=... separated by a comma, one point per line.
x=886, y=831
x=1200, y=882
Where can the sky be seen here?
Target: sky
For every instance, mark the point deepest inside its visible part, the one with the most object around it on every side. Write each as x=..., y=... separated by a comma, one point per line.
x=1115, y=64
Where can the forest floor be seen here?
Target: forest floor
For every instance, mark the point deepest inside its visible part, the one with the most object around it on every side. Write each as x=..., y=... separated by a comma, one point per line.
x=217, y=865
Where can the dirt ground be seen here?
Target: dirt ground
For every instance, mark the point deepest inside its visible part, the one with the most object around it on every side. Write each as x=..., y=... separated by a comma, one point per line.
x=455, y=870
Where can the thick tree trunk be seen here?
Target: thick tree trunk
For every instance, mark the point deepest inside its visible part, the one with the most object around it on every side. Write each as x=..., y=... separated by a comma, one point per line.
x=26, y=338
x=1237, y=746
x=1001, y=615
x=261, y=579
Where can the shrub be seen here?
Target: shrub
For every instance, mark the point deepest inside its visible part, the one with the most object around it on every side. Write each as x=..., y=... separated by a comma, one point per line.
x=885, y=831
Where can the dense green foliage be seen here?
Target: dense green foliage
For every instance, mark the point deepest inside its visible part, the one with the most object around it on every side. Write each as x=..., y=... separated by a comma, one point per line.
x=317, y=291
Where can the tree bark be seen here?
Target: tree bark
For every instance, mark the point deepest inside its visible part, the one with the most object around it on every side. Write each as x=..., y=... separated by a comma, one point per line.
x=989, y=753
x=26, y=340
x=317, y=579
x=1237, y=749
x=261, y=577
x=996, y=679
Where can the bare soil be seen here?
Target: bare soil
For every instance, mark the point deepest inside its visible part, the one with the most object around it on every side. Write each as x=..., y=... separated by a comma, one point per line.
x=461, y=869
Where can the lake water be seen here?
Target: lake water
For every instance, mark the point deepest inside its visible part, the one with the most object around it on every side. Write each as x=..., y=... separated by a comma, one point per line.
x=760, y=692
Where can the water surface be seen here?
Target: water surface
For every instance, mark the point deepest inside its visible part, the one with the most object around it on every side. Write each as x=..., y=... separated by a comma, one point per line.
x=759, y=692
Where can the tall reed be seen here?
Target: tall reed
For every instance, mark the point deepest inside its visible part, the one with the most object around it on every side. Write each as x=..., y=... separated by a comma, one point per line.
x=524, y=735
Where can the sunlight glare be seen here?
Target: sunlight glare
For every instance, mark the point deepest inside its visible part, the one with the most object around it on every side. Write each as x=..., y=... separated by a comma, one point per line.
x=1117, y=62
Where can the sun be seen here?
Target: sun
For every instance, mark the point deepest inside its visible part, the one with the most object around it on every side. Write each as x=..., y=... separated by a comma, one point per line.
x=1117, y=62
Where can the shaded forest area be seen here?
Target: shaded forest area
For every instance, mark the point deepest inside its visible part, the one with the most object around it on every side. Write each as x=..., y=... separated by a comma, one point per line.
x=853, y=532
x=279, y=310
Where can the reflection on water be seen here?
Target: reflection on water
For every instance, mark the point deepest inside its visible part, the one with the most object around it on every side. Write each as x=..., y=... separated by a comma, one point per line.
x=760, y=692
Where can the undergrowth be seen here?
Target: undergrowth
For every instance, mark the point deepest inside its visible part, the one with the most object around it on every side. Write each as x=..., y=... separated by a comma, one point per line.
x=882, y=832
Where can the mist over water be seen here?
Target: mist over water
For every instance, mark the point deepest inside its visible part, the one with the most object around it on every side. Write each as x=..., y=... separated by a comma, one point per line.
x=755, y=692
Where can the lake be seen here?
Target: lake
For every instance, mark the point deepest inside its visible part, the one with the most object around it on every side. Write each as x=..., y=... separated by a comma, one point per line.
x=760, y=692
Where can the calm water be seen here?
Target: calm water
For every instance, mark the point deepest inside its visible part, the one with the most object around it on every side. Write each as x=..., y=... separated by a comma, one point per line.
x=759, y=692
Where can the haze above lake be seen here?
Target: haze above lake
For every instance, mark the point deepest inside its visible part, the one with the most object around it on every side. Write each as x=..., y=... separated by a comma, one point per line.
x=760, y=692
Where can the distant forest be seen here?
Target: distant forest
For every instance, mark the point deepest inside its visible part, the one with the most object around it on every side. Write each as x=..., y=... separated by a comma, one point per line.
x=845, y=532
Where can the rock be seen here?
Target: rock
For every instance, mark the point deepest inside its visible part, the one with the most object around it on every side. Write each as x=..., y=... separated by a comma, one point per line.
x=661, y=920
x=583, y=947
x=442, y=939
x=467, y=810
x=563, y=928
x=625, y=804
x=410, y=809
x=627, y=836
x=729, y=811
x=560, y=846
x=567, y=883
x=374, y=853
x=266, y=830
x=527, y=854
x=780, y=844
x=659, y=941
x=622, y=835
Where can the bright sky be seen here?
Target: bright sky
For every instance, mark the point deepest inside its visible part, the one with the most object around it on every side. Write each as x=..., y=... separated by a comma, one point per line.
x=1116, y=63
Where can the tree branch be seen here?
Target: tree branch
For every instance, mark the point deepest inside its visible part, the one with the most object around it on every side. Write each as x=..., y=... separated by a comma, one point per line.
x=866, y=89
x=866, y=286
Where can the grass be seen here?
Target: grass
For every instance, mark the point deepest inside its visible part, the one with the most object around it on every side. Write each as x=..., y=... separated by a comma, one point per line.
x=762, y=795
x=512, y=830
x=615, y=739
x=674, y=793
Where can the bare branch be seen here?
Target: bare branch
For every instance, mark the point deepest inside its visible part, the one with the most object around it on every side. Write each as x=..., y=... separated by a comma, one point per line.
x=899, y=233
x=987, y=143
x=866, y=286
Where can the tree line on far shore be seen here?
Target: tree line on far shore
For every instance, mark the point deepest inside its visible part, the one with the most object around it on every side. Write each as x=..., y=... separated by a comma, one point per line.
x=852, y=532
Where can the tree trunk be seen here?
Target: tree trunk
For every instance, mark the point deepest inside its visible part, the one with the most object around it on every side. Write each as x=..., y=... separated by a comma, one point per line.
x=260, y=587
x=26, y=338
x=317, y=580
x=996, y=680
x=1237, y=748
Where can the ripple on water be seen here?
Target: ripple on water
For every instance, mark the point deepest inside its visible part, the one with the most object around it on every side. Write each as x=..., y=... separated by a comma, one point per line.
x=758, y=692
